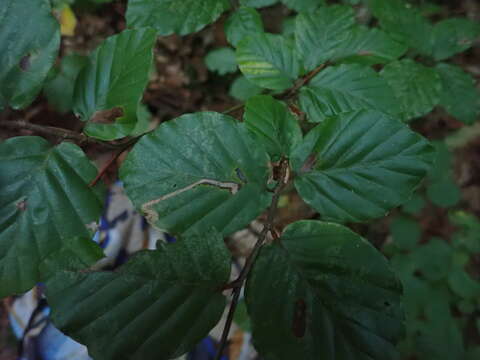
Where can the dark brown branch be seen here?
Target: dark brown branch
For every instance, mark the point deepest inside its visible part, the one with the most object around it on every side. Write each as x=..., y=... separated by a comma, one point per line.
x=46, y=130
x=237, y=284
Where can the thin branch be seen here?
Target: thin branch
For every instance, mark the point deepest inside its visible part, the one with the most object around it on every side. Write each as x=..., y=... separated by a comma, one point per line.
x=289, y=93
x=237, y=284
x=46, y=130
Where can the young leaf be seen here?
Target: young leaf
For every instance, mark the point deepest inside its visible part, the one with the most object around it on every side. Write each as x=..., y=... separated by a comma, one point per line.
x=336, y=298
x=273, y=125
x=29, y=41
x=157, y=306
x=453, y=36
x=345, y=88
x=197, y=171
x=434, y=259
x=109, y=89
x=459, y=95
x=268, y=60
x=444, y=192
x=242, y=89
x=174, y=16
x=333, y=22
x=358, y=166
x=404, y=23
x=45, y=203
x=59, y=89
x=417, y=87
x=244, y=21
x=221, y=60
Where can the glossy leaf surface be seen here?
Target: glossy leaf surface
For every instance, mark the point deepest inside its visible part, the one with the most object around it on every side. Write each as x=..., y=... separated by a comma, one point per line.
x=156, y=306
x=336, y=298
x=358, y=166
x=45, y=203
x=197, y=171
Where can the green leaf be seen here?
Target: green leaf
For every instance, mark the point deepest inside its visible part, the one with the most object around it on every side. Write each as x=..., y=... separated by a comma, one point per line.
x=109, y=89
x=258, y=3
x=404, y=23
x=463, y=285
x=244, y=21
x=197, y=171
x=273, y=125
x=346, y=88
x=343, y=40
x=221, y=60
x=358, y=166
x=434, y=259
x=469, y=228
x=336, y=298
x=157, y=306
x=453, y=36
x=406, y=232
x=303, y=5
x=368, y=46
x=243, y=89
x=333, y=22
x=45, y=203
x=268, y=60
x=241, y=316
x=418, y=88
x=415, y=205
x=174, y=16
x=74, y=254
x=29, y=41
x=444, y=193
x=59, y=89
x=459, y=95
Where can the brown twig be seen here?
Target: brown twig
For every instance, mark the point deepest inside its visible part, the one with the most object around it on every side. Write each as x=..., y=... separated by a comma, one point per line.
x=237, y=284
x=106, y=166
x=46, y=130
x=289, y=93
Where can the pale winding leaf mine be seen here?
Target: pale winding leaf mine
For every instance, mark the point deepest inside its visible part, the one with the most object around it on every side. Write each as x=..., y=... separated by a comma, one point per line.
x=152, y=216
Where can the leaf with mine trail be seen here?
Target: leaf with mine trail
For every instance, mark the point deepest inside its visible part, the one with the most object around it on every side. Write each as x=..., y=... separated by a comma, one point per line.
x=46, y=208
x=336, y=298
x=158, y=305
x=29, y=42
x=197, y=171
x=110, y=87
x=358, y=166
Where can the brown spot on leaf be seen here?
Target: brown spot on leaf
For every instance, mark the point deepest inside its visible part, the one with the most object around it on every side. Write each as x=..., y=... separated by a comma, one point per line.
x=24, y=62
x=299, y=324
x=365, y=53
x=107, y=116
x=22, y=205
